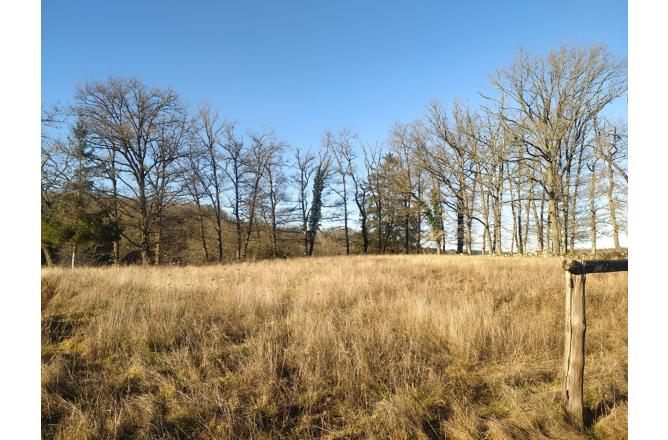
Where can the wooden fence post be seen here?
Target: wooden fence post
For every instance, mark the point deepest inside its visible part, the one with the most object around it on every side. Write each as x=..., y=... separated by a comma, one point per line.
x=574, y=331
x=574, y=348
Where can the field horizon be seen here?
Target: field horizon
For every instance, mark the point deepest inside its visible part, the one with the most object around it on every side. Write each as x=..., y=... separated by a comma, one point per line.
x=392, y=346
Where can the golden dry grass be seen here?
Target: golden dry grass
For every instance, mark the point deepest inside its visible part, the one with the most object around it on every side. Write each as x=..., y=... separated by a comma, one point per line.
x=338, y=347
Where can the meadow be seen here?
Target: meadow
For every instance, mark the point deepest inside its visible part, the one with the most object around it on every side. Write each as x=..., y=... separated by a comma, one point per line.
x=406, y=347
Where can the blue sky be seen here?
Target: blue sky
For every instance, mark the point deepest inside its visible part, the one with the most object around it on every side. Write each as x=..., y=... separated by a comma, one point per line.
x=303, y=67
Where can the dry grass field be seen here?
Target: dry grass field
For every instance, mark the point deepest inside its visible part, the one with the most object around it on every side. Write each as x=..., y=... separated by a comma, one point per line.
x=407, y=347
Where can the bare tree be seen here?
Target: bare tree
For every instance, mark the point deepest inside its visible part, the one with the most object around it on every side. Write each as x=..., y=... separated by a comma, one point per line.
x=164, y=178
x=550, y=103
x=449, y=160
x=234, y=159
x=304, y=168
x=406, y=182
x=361, y=196
x=194, y=188
x=275, y=192
x=341, y=149
x=610, y=144
x=489, y=159
x=261, y=151
x=593, y=193
x=211, y=136
x=375, y=184
x=135, y=123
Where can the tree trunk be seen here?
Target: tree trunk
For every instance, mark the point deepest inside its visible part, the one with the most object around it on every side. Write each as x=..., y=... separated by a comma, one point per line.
x=365, y=234
x=145, y=226
x=116, y=218
x=460, y=232
x=274, y=236
x=460, y=223
x=486, y=236
x=145, y=255
x=538, y=220
x=306, y=235
x=418, y=232
x=259, y=242
x=200, y=216
x=468, y=222
x=407, y=223
x=305, y=242
x=553, y=207
x=527, y=220
x=573, y=206
x=116, y=251
x=468, y=211
x=238, y=236
x=520, y=243
x=484, y=240
x=390, y=227
x=497, y=208
x=548, y=232
x=514, y=234
x=496, y=213
x=592, y=208
x=380, y=224
x=237, y=207
x=517, y=212
x=251, y=215
x=158, y=243
x=496, y=245
x=219, y=235
x=469, y=237
x=74, y=254
x=345, y=214
x=249, y=233
x=47, y=256
x=566, y=219
x=217, y=205
x=515, y=237
x=611, y=204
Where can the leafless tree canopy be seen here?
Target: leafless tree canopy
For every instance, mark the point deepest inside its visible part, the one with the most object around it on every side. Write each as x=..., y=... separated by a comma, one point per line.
x=536, y=168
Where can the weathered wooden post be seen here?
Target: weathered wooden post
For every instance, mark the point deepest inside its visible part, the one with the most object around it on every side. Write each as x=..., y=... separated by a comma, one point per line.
x=574, y=338
x=575, y=329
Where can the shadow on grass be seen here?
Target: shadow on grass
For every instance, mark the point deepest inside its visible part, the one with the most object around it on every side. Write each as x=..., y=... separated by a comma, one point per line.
x=593, y=414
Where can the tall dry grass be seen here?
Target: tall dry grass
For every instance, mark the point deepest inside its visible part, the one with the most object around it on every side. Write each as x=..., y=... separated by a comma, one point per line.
x=338, y=347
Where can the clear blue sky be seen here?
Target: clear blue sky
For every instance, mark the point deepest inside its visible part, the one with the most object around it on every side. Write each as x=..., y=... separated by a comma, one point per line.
x=303, y=67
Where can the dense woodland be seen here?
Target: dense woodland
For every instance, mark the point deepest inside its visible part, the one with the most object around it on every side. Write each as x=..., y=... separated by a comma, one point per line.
x=130, y=174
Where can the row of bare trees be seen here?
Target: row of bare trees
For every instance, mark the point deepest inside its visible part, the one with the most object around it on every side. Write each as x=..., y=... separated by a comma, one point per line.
x=537, y=167
x=540, y=147
x=145, y=153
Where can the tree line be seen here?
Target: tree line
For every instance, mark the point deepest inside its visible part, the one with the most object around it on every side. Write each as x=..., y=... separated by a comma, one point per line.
x=537, y=167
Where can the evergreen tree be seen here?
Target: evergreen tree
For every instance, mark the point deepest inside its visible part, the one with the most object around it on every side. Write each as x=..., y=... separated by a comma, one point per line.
x=74, y=219
x=315, y=215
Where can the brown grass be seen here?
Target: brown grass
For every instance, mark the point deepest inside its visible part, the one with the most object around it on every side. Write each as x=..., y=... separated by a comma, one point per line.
x=338, y=347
